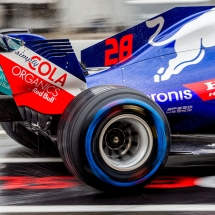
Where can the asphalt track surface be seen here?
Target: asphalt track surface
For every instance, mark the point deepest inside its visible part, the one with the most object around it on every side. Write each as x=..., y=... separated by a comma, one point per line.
x=32, y=184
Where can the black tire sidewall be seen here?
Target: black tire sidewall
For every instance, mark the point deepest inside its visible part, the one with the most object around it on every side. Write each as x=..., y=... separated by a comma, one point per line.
x=78, y=133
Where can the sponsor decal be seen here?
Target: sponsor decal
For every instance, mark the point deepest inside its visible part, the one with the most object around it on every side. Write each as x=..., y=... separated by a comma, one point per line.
x=204, y=89
x=32, y=60
x=40, y=87
x=115, y=52
x=172, y=96
x=4, y=86
x=44, y=68
x=31, y=89
x=3, y=82
x=190, y=43
x=38, y=83
x=182, y=109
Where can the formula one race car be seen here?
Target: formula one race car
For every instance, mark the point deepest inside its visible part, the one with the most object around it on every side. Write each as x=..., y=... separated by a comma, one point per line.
x=112, y=128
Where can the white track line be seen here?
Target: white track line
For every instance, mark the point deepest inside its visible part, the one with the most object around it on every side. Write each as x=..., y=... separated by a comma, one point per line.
x=2, y=132
x=107, y=208
x=30, y=160
x=164, y=1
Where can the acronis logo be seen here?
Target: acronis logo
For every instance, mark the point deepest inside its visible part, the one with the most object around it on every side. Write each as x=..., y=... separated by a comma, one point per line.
x=172, y=96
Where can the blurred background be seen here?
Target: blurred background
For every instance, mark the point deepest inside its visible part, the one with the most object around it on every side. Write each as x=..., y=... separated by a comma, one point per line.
x=83, y=19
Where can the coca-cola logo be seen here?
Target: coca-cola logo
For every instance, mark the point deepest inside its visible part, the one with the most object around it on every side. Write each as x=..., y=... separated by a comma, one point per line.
x=44, y=68
x=37, y=85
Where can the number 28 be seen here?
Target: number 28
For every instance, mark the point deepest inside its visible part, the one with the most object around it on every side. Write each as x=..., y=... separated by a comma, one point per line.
x=120, y=51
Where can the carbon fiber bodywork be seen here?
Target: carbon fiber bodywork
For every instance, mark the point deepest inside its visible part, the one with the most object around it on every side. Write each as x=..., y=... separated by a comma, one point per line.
x=8, y=109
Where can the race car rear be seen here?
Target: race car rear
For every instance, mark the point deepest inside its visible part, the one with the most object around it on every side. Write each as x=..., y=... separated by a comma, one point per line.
x=115, y=135
x=36, y=69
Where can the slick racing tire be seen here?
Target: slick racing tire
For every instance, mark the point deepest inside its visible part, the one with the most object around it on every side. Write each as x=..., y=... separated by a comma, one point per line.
x=26, y=138
x=113, y=138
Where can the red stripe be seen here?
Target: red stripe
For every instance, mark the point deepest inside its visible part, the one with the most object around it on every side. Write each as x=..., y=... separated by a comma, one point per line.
x=32, y=91
x=34, y=183
x=204, y=89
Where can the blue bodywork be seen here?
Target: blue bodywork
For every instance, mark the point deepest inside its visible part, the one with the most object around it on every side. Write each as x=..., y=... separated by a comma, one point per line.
x=185, y=110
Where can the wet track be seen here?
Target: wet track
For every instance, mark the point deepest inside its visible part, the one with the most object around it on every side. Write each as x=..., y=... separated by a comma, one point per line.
x=30, y=183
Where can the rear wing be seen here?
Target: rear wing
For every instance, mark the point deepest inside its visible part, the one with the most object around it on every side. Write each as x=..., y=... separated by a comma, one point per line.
x=14, y=31
x=124, y=45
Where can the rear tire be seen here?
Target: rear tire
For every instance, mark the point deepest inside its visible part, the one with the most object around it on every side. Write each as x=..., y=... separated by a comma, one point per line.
x=113, y=138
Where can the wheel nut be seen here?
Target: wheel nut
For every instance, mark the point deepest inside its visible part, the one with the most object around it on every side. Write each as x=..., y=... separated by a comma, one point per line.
x=116, y=139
